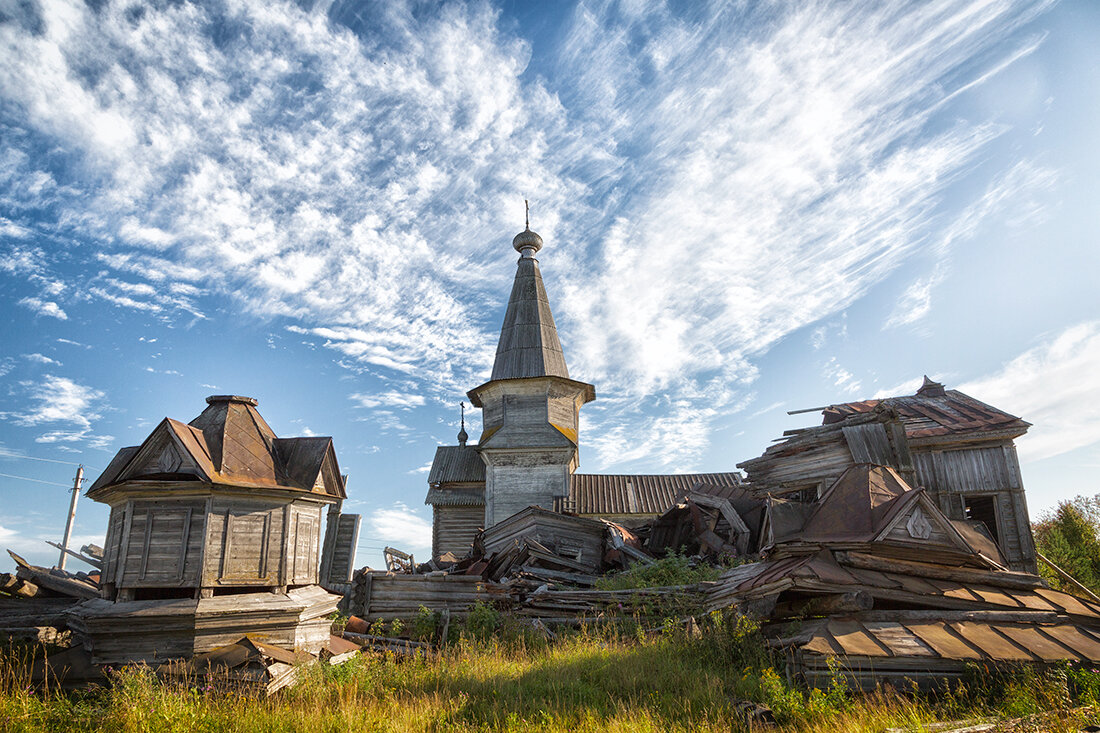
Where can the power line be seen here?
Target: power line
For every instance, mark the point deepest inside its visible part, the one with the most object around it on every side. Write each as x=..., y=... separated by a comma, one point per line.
x=36, y=480
x=6, y=454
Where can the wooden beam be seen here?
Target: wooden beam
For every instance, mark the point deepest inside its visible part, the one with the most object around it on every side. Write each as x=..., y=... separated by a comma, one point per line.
x=1021, y=581
x=1068, y=578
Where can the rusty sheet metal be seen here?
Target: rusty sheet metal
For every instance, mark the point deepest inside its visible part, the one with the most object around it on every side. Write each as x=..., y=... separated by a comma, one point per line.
x=943, y=641
x=619, y=494
x=856, y=640
x=1036, y=642
x=858, y=505
x=231, y=444
x=931, y=415
x=993, y=644
x=1068, y=603
x=959, y=640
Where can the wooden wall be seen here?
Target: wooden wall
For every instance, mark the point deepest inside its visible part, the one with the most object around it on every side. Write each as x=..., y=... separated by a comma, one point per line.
x=952, y=476
x=155, y=544
x=454, y=527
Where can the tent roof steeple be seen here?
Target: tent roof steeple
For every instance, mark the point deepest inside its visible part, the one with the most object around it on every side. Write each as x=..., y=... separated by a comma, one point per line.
x=529, y=344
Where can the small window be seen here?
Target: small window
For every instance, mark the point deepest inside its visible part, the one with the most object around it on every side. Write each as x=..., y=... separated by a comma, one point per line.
x=984, y=509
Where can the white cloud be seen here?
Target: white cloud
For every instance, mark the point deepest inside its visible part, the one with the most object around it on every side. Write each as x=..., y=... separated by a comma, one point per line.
x=44, y=308
x=841, y=378
x=1056, y=387
x=388, y=399
x=61, y=400
x=41, y=359
x=364, y=189
x=401, y=527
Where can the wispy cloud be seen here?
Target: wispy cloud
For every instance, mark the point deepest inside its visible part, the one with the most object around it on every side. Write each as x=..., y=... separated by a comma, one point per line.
x=61, y=401
x=388, y=399
x=44, y=308
x=359, y=179
x=41, y=359
x=1056, y=387
x=1012, y=199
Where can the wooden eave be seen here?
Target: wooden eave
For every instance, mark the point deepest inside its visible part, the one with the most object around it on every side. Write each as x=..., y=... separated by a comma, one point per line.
x=587, y=391
x=158, y=490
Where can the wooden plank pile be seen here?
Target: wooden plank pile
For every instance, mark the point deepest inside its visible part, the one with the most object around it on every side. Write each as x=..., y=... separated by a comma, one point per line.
x=701, y=524
x=59, y=582
x=384, y=595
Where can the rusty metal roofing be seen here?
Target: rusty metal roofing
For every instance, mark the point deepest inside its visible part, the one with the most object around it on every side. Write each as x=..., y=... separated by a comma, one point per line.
x=618, y=494
x=934, y=412
x=456, y=464
x=529, y=344
x=963, y=640
x=857, y=505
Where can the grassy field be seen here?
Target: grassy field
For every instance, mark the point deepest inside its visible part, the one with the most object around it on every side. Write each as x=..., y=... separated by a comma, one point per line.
x=587, y=681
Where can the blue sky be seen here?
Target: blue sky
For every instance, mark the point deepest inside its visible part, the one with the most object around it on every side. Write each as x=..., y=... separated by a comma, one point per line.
x=748, y=208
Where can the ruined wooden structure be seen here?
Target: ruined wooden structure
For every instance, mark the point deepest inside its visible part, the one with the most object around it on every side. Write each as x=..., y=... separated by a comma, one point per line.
x=874, y=575
x=215, y=530
x=959, y=449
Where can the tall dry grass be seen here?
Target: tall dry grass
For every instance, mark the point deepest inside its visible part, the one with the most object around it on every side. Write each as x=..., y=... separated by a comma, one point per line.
x=587, y=681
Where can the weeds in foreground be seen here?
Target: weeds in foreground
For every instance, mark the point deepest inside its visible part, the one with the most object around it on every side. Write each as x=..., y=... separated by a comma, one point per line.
x=495, y=678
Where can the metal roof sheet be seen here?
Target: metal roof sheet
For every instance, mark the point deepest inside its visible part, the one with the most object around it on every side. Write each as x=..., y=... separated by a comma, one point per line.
x=957, y=640
x=608, y=494
x=234, y=446
x=456, y=464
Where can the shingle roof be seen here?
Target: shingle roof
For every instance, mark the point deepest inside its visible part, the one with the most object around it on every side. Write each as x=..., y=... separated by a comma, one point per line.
x=934, y=411
x=529, y=344
x=637, y=493
x=230, y=444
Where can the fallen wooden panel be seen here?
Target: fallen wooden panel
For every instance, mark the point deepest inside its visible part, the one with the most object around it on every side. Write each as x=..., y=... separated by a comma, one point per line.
x=382, y=595
x=246, y=665
x=59, y=581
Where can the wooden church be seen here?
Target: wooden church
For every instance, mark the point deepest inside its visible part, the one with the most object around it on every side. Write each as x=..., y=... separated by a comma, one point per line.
x=216, y=526
x=528, y=452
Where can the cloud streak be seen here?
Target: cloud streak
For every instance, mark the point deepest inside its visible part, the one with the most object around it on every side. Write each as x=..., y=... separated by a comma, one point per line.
x=1056, y=387
x=707, y=179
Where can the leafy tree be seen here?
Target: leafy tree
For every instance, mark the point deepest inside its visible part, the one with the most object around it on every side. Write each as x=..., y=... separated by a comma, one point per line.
x=1070, y=537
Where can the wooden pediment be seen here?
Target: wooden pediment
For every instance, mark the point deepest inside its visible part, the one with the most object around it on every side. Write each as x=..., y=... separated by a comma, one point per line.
x=167, y=453
x=920, y=521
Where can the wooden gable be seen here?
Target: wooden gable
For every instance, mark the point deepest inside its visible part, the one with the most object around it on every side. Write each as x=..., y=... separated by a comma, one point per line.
x=168, y=453
x=921, y=522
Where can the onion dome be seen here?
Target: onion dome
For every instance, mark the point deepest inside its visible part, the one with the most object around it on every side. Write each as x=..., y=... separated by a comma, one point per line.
x=527, y=242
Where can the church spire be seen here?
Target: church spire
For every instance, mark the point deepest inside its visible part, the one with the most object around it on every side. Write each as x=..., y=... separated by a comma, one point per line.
x=529, y=344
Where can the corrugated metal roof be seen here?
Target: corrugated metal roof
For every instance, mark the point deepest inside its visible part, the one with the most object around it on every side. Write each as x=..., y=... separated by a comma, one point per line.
x=455, y=497
x=637, y=493
x=931, y=413
x=529, y=344
x=456, y=464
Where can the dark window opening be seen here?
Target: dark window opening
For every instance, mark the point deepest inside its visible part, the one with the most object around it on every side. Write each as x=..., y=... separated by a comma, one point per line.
x=162, y=594
x=984, y=509
x=242, y=590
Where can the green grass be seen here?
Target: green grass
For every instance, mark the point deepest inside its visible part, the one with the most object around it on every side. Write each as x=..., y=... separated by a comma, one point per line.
x=587, y=681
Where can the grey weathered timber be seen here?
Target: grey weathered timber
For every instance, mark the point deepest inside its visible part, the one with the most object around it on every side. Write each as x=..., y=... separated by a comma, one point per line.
x=202, y=513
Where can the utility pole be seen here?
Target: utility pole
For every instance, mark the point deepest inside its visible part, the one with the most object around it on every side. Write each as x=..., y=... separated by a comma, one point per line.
x=72, y=515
